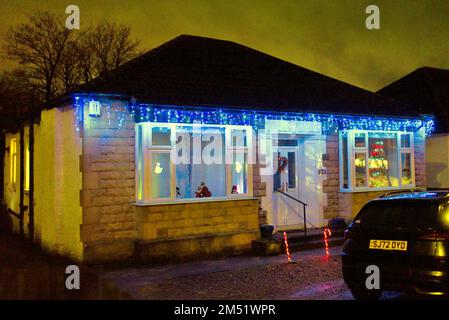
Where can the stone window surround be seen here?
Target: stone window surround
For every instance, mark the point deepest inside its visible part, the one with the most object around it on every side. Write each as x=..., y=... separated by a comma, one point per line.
x=246, y=196
x=352, y=150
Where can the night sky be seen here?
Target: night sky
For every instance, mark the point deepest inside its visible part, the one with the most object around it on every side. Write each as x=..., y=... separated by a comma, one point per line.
x=323, y=35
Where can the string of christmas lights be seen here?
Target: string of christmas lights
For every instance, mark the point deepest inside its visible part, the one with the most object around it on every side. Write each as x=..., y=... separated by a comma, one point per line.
x=330, y=123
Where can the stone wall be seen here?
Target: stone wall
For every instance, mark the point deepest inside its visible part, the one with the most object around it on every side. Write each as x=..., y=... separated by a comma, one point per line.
x=331, y=185
x=420, y=158
x=108, y=230
x=196, y=230
x=113, y=228
x=259, y=186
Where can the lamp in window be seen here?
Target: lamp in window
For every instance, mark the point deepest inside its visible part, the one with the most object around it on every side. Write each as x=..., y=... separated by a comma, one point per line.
x=158, y=169
x=238, y=167
x=94, y=108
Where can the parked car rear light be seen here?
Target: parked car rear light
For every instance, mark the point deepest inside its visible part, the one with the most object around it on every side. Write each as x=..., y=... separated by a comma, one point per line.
x=435, y=236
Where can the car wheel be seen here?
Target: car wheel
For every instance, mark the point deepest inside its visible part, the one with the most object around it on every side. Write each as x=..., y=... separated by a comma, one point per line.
x=365, y=294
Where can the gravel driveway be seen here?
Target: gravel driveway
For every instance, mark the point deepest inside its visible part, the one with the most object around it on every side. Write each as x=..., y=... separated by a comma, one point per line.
x=312, y=277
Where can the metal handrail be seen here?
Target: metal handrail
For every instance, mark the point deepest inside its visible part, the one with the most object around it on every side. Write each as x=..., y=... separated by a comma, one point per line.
x=304, y=205
x=291, y=197
x=13, y=213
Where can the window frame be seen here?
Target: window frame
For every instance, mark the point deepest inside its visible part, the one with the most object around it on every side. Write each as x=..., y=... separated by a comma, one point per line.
x=352, y=150
x=144, y=150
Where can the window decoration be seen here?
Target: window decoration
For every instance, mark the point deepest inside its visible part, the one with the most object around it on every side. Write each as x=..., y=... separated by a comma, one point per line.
x=203, y=191
x=376, y=160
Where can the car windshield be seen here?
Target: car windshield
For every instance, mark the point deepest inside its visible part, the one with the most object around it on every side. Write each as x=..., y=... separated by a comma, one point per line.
x=404, y=214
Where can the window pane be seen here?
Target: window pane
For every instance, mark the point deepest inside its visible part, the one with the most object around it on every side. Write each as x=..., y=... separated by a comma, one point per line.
x=406, y=160
x=360, y=140
x=291, y=170
x=160, y=136
x=239, y=173
x=238, y=138
x=201, y=171
x=160, y=175
x=405, y=141
x=360, y=169
x=383, y=160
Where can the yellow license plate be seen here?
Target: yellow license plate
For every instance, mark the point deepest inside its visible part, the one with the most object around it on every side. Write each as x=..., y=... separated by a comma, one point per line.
x=388, y=245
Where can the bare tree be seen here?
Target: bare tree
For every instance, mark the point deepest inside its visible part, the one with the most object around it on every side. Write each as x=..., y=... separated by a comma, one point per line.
x=56, y=59
x=15, y=93
x=70, y=70
x=111, y=45
x=38, y=45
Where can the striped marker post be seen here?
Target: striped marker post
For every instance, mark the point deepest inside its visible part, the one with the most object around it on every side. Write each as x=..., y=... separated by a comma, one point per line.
x=327, y=233
x=287, y=252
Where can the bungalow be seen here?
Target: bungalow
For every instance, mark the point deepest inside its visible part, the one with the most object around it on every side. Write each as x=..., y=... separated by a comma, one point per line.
x=426, y=90
x=187, y=149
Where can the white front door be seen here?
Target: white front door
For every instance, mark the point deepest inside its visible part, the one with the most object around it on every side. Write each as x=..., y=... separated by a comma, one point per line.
x=287, y=211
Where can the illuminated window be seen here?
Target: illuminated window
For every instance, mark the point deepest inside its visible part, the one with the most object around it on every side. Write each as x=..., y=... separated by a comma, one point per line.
x=191, y=161
x=13, y=162
x=376, y=160
x=27, y=170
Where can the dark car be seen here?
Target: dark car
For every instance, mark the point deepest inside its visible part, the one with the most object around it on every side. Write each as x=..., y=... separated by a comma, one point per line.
x=407, y=237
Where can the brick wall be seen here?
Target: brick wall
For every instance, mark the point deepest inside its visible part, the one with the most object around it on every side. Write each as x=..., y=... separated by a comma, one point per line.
x=197, y=229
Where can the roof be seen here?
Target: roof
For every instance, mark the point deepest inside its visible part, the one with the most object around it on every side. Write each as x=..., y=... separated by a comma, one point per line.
x=427, y=91
x=198, y=71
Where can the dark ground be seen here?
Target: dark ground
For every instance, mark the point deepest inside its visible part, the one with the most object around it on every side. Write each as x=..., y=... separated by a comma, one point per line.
x=27, y=273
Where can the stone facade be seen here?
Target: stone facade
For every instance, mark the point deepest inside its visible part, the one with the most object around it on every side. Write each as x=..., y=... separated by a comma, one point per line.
x=198, y=229
x=348, y=204
x=259, y=187
x=109, y=229
x=420, y=158
x=114, y=228
x=331, y=185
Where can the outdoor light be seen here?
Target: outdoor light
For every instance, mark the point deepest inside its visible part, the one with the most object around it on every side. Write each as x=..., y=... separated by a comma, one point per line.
x=94, y=108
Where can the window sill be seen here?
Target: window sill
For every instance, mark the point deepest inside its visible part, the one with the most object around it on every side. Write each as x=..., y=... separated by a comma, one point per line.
x=193, y=201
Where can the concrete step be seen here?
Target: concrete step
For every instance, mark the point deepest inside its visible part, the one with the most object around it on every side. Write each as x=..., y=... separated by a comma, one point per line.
x=297, y=236
x=314, y=244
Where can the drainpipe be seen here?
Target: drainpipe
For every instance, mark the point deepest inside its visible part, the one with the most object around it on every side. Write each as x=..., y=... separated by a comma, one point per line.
x=21, y=181
x=2, y=164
